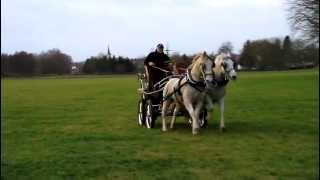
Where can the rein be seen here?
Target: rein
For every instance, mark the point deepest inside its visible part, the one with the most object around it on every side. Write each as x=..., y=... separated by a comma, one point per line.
x=161, y=69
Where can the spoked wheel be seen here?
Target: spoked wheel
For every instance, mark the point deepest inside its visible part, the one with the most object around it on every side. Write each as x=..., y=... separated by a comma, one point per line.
x=150, y=121
x=141, y=113
x=203, y=119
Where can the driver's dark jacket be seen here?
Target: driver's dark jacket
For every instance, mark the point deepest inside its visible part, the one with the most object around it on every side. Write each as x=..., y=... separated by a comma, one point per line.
x=160, y=60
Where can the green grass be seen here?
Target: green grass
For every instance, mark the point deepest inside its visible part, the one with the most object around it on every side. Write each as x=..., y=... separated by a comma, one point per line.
x=86, y=128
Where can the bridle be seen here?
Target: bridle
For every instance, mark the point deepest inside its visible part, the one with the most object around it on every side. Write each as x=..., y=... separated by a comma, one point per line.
x=202, y=83
x=227, y=72
x=225, y=76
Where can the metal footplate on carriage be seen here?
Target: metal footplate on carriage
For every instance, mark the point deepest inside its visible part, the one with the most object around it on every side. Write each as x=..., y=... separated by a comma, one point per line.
x=149, y=103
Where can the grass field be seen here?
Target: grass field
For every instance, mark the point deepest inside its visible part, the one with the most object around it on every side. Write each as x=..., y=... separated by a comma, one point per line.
x=86, y=128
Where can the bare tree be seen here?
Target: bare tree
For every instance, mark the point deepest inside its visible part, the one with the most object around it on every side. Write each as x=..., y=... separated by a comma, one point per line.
x=304, y=18
x=226, y=47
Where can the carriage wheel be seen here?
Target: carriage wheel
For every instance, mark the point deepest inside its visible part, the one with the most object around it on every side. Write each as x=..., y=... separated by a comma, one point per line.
x=150, y=122
x=203, y=119
x=141, y=113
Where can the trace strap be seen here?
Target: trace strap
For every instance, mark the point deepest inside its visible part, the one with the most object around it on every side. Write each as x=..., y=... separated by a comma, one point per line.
x=198, y=85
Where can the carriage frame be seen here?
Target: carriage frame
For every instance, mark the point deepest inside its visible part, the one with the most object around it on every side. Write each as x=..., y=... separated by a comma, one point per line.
x=150, y=102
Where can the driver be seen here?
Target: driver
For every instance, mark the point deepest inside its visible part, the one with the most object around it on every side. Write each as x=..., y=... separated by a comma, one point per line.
x=156, y=65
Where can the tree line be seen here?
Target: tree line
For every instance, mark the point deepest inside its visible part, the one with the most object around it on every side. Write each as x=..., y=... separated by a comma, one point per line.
x=26, y=64
x=105, y=64
x=264, y=54
x=261, y=54
x=277, y=54
x=56, y=62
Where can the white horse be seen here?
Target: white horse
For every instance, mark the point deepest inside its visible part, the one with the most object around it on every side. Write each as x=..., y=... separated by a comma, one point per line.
x=223, y=72
x=189, y=91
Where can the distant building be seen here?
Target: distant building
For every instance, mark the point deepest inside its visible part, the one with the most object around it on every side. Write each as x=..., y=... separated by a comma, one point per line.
x=76, y=67
x=239, y=67
x=74, y=70
x=301, y=65
x=236, y=60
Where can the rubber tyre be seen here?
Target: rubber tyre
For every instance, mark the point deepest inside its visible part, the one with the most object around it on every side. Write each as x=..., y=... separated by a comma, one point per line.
x=149, y=117
x=141, y=113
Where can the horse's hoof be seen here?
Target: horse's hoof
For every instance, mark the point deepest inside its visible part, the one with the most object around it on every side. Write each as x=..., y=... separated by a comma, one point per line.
x=164, y=130
x=195, y=131
x=222, y=129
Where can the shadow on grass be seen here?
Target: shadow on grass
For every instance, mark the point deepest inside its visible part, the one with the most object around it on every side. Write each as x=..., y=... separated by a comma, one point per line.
x=244, y=127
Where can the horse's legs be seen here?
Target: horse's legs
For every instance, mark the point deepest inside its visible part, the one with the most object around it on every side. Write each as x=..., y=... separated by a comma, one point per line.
x=209, y=112
x=195, y=123
x=209, y=107
x=221, y=106
x=208, y=103
x=176, y=110
x=163, y=115
x=197, y=110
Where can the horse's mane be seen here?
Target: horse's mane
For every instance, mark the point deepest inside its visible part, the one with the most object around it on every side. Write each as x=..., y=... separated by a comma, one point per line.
x=195, y=59
x=218, y=69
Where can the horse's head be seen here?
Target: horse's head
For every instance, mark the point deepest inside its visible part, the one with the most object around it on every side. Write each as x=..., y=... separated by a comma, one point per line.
x=204, y=64
x=225, y=66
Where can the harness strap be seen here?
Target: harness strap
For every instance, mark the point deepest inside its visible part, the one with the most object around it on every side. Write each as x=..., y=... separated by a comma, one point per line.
x=198, y=85
x=223, y=82
x=220, y=83
x=179, y=86
x=195, y=84
x=189, y=77
x=176, y=90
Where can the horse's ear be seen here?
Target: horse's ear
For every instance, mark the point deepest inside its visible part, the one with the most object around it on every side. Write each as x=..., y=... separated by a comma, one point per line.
x=204, y=53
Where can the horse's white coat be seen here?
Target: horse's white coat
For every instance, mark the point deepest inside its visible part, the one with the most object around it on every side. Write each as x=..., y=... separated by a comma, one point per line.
x=192, y=99
x=223, y=69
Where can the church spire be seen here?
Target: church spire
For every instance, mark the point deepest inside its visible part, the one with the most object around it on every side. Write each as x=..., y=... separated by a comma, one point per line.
x=109, y=53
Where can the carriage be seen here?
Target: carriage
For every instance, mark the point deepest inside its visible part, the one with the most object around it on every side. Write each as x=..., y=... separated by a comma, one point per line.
x=149, y=103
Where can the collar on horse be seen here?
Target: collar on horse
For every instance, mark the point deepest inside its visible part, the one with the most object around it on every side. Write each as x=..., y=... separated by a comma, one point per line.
x=198, y=85
x=220, y=82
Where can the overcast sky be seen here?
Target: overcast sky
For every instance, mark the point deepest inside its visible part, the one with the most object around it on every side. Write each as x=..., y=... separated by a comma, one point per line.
x=84, y=28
